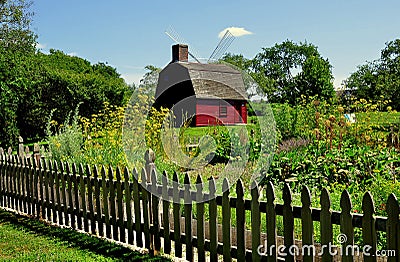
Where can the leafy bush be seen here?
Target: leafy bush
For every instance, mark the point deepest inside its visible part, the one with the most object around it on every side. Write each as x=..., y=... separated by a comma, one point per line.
x=66, y=141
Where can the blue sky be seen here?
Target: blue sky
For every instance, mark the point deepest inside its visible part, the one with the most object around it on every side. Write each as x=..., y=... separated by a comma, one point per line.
x=129, y=34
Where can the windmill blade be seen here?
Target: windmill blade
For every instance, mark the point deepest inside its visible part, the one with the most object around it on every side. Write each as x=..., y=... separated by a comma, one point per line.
x=171, y=33
x=174, y=35
x=222, y=46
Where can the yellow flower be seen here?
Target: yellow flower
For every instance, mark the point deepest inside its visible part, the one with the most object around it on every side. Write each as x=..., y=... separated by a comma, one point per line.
x=327, y=123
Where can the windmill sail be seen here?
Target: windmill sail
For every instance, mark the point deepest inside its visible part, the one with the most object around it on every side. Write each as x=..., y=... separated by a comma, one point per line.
x=223, y=44
x=171, y=33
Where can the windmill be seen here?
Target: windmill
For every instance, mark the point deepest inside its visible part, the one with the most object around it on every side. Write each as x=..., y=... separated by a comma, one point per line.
x=218, y=51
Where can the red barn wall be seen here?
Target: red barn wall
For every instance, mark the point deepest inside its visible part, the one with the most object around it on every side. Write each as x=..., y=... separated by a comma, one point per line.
x=208, y=112
x=243, y=111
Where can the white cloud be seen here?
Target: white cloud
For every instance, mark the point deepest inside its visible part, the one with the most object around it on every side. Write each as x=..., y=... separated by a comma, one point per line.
x=72, y=54
x=132, y=77
x=235, y=31
x=40, y=46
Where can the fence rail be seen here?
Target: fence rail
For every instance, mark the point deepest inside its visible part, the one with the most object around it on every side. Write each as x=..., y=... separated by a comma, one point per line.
x=118, y=205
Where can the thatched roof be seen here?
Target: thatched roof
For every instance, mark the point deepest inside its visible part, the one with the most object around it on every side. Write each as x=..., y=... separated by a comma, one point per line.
x=208, y=80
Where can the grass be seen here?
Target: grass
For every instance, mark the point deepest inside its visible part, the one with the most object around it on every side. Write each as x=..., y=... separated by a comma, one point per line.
x=200, y=131
x=381, y=118
x=27, y=239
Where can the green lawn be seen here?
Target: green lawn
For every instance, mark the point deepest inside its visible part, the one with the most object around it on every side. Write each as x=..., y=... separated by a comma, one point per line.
x=380, y=118
x=25, y=239
x=198, y=132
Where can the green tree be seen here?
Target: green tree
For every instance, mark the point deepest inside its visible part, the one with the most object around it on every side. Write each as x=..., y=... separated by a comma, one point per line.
x=292, y=69
x=316, y=78
x=66, y=81
x=287, y=70
x=364, y=81
x=238, y=61
x=15, y=21
x=32, y=83
x=17, y=45
x=148, y=83
x=380, y=77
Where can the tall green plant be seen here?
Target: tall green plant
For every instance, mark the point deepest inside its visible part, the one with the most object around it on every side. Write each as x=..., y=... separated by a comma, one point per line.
x=66, y=141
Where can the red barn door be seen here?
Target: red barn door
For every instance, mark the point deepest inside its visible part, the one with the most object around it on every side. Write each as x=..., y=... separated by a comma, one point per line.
x=243, y=112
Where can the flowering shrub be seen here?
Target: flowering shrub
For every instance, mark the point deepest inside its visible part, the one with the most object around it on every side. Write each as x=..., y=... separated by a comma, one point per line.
x=103, y=137
x=65, y=140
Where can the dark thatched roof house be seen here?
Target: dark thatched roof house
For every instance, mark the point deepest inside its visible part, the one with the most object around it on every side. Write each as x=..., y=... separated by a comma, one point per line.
x=208, y=94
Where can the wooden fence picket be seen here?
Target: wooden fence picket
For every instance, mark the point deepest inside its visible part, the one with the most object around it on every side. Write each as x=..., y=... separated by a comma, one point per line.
x=201, y=255
x=57, y=202
x=368, y=227
x=393, y=227
x=98, y=197
x=346, y=227
x=46, y=201
x=82, y=195
x=112, y=208
x=326, y=224
x=255, y=222
x=271, y=248
x=52, y=204
x=11, y=173
x=106, y=211
x=71, y=205
x=120, y=210
x=35, y=193
x=6, y=180
x=288, y=223
x=25, y=184
x=14, y=182
x=307, y=224
x=188, y=219
x=7, y=183
x=26, y=188
x=40, y=206
x=21, y=184
x=226, y=218
x=63, y=209
x=2, y=176
x=90, y=203
x=146, y=209
x=177, y=216
x=213, y=221
x=137, y=209
x=32, y=170
x=77, y=205
x=240, y=221
x=18, y=200
x=155, y=204
x=128, y=205
x=166, y=211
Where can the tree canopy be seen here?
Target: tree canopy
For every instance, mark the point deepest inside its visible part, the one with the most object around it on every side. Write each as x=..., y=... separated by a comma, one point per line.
x=379, y=78
x=33, y=83
x=288, y=69
x=15, y=21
